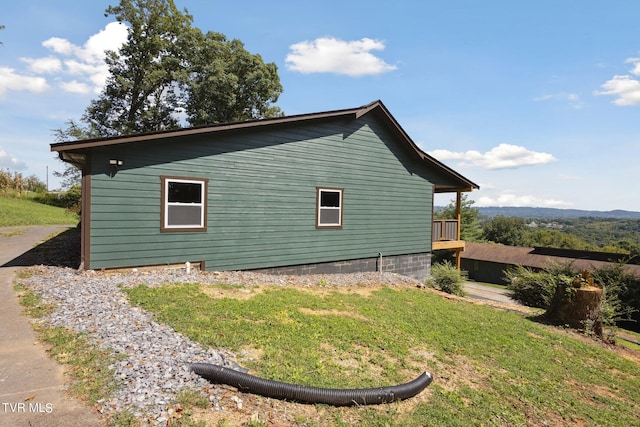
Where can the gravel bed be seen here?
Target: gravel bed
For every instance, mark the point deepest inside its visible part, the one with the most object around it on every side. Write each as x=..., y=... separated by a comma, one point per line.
x=154, y=359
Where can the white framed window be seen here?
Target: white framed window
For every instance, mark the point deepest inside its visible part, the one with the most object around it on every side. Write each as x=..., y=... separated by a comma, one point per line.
x=184, y=204
x=329, y=207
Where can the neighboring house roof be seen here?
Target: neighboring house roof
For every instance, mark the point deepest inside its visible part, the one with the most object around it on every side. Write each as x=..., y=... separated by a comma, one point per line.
x=539, y=257
x=72, y=151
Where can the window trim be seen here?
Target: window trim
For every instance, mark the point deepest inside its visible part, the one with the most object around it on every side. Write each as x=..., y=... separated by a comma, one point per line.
x=319, y=191
x=164, y=203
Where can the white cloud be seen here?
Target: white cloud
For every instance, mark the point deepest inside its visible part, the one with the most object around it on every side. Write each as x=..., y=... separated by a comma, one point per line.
x=58, y=45
x=10, y=162
x=512, y=199
x=331, y=55
x=85, y=62
x=572, y=99
x=75, y=86
x=504, y=156
x=636, y=65
x=10, y=80
x=624, y=87
x=47, y=65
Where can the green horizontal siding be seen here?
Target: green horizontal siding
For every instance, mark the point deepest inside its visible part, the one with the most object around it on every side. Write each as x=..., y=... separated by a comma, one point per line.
x=262, y=198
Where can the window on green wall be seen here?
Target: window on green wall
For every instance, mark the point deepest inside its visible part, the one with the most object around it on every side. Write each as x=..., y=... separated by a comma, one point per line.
x=329, y=207
x=184, y=204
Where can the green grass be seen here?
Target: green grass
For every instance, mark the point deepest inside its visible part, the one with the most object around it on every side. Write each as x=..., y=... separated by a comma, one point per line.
x=491, y=367
x=631, y=335
x=22, y=211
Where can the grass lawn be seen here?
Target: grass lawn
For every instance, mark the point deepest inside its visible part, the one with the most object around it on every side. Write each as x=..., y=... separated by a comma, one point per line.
x=22, y=211
x=491, y=367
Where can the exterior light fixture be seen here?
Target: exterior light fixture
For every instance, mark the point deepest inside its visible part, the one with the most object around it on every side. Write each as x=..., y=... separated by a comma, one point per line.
x=115, y=165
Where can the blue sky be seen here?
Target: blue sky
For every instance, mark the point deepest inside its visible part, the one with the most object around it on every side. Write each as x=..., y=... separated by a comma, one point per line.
x=538, y=102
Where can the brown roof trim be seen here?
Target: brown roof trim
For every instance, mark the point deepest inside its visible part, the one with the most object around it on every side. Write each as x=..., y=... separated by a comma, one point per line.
x=375, y=106
x=150, y=136
x=467, y=184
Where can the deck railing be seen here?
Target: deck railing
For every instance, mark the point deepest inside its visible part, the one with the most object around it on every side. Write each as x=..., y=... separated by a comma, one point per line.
x=444, y=230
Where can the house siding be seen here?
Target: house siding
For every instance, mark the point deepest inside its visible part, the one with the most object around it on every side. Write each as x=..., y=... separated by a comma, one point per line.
x=262, y=198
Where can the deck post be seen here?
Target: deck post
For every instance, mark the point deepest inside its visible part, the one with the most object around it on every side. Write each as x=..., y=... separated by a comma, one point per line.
x=459, y=219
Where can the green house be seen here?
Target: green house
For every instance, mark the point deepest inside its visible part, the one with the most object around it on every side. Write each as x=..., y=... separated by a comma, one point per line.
x=336, y=191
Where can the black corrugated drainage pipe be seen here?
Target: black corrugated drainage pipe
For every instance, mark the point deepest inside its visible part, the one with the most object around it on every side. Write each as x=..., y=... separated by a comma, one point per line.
x=337, y=397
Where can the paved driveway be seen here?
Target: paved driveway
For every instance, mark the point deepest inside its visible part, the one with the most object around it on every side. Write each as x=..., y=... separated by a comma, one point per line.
x=32, y=386
x=488, y=293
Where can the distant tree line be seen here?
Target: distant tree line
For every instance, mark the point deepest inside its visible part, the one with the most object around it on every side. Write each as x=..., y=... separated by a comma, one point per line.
x=535, y=288
x=589, y=233
x=12, y=183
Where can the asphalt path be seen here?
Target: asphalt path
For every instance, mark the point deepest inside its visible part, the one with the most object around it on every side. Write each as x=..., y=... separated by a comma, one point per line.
x=488, y=293
x=32, y=386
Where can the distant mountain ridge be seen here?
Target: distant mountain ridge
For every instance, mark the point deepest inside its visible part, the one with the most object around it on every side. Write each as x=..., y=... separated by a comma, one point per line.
x=555, y=213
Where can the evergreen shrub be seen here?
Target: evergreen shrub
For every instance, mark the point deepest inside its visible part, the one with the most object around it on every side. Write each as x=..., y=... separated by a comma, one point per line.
x=447, y=278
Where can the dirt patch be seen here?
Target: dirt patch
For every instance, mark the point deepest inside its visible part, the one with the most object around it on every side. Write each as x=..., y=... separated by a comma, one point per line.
x=242, y=293
x=591, y=393
x=458, y=372
x=257, y=410
x=249, y=354
x=333, y=312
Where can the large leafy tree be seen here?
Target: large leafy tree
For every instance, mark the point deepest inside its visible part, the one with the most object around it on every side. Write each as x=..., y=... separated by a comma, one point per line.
x=226, y=83
x=170, y=74
x=140, y=93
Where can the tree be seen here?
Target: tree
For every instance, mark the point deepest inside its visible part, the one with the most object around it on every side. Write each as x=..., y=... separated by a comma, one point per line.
x=17, y=183
x=140, y=93
x=74, y=131
x=555, y=239
x=226, y=83
x=505, y=230
x=629, y=246
x=168, y=68
x=470, y=229
x=169, y=72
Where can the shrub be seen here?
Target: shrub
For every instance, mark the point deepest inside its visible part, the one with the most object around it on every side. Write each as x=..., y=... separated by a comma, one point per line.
x=70, y=199
x=531, y=288
x=447, y=278
x=621, y=295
